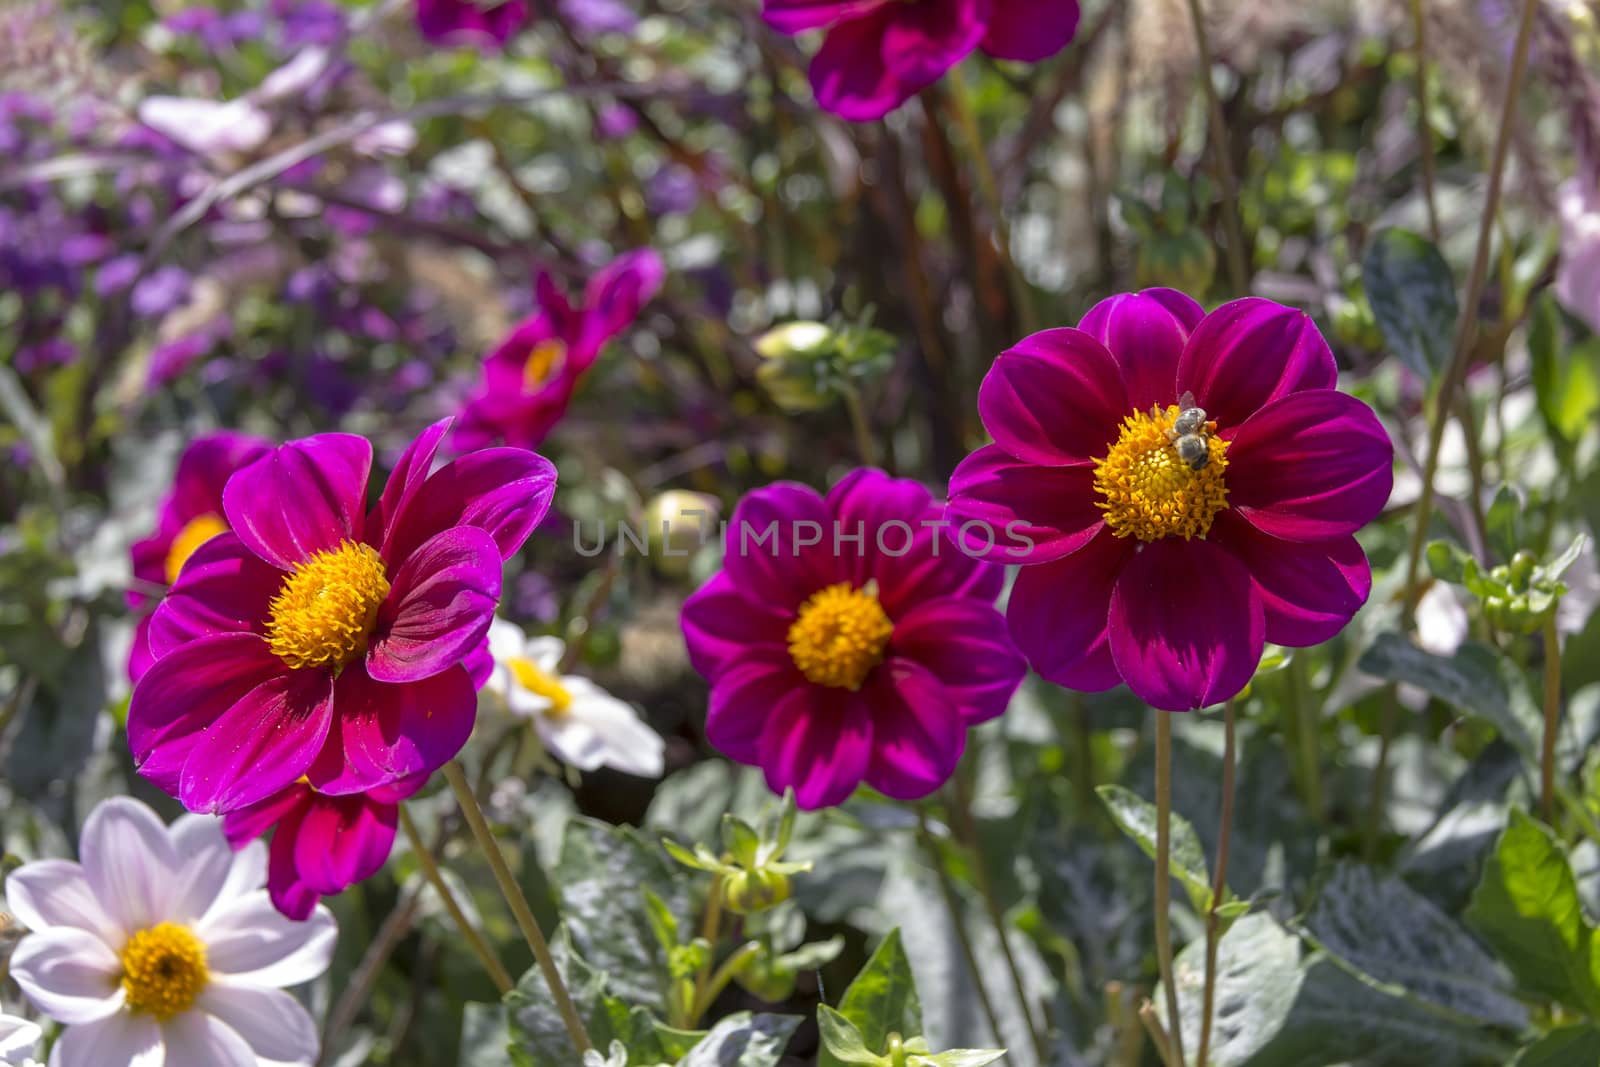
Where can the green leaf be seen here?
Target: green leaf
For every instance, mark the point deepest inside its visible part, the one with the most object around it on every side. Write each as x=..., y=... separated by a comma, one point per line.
x=1413, y=299
x=485, y=1035
x=1527, y=909
x=1504, y=522
x=1477, y=680
x=883, y=998
x=842, y=1040
x=1446, y=561
x=740, y=839
x=744, y=1040
x=1570, y=1046
x=1137, y=818
x=1258, y=977
x=538, y=1035
x=1566, y=379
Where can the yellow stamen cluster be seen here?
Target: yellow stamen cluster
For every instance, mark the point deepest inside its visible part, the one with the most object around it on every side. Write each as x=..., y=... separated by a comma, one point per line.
x=840, y=635
x=1148, y=491
x=542, y=362
x=196, y=532
x=323, y=614
x=541, y=683
x=164, y=970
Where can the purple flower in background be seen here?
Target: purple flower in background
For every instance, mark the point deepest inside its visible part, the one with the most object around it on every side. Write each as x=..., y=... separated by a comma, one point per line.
x=484, y=23
x=1578, y=278
x=835, y=661
x=600, y=16
x=880, y=53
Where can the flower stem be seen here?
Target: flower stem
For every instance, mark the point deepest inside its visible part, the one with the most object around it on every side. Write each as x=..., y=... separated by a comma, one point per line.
x=1457, y=369
x=1222, y=152
x=430, y=870
x=1305, y=731
x=1219, y=885
x=1424, y=128
x=1164, y=882
x=961, y=110
x=1552, y=718
x=518, y=904
x=859, y=425
x=719, y=981
x=1158, y=1033
x=711, y=933
x=958, y=920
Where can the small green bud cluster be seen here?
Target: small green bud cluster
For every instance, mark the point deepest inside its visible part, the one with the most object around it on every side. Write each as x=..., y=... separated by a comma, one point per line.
x=807, y=365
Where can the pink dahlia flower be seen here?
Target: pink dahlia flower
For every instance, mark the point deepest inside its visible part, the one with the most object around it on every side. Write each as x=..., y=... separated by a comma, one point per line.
x=529, y=380
x=880, y=53
x=323, y=845
x=1161, y=561
x=488, y=24
x=846, y=641
x=317, y=640
x=191, y=514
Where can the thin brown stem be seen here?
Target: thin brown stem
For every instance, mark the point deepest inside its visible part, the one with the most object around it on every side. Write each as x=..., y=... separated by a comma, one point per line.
x=958, y=920
x=1164, y=882
x=1158, y=1033
x=1419, y=30
x=1222, y=153
x=430, y=871
x=1219, y=885
x=518, y=904
x=1552, y=718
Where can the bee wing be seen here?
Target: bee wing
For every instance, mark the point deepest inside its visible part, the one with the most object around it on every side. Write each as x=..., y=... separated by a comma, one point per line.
x=1186, y=401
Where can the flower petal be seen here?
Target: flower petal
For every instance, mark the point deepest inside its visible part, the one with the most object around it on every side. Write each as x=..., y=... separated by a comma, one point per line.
x=1055, y=399
x=410, y=472
x=251, y=942
x=271, y=1022
x=386, y=732
x=70, y=974
x=439, y=607
x=797, y=16
x=213, y=873
x=1311, y=467
x=1187, y=627
x=1250, y=352
x=120, y=1040
x=196, y=1037
x=721, y=627
x=261, y=744
x=129, y=862
x=818, y=742
x=871, y=65
x=342, y=841
x=185, y=692
x=1309, y=591
x=203, y=472
x=742, y=698
x=224, y=588
x=615, y=296
x=1008, y=510
x=1030, y=31
x=601, y=731
x=503, y=491
x=965, y=646
x=1145, y=333
x=918, y=733
x=1058, y=614
x=304, y=497
x=779, y=548
x=47, y=893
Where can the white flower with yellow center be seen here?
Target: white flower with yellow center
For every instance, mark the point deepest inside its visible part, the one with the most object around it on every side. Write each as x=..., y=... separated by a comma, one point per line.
x=579, y=722
x=163, y=948
x=19, y=1041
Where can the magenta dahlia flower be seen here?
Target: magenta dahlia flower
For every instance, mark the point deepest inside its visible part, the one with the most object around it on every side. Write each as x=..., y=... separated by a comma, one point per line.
x=846, y=641
x=317, y=640
x=529, y=380
x=322, y=844
x=1179, y=488
x=190, y=515
x=880, y=53
x=487, y=24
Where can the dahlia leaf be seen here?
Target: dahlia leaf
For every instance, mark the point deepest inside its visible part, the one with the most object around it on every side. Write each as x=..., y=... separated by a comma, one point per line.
x=1413, y=299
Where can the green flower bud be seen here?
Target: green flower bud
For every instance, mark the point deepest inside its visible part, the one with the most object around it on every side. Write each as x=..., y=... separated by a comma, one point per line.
x=747, y=892
x=679, y=523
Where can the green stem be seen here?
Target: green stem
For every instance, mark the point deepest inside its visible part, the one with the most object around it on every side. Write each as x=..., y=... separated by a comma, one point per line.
x=1220, y=883
x=1552, y=718
x=710, y=933
x=1387, y=717
x=859, y=425
x=430, y=870
x=958, y=920
x=1164, y=882
x=1306, y=727
x=1238, y=269
x=518, y=903
x=719, y=981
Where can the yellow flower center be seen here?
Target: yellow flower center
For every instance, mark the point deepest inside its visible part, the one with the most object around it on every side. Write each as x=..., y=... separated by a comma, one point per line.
x=323, y=614
x=541, y=683
x=542, y=362
x=196, y=532
x=1149, y=491
x=164, y=970
x=840, y=635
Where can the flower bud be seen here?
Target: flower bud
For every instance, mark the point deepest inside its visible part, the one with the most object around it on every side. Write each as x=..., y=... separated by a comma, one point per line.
x=746, y=892
x=678, y=524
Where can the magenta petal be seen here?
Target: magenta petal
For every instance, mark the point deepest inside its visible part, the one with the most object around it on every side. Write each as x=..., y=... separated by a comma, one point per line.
x=406, y=478
x=1011, y=511
x=304, y=497
x=342, y=841
x=742, y=699
x=261, y=744
x=505, y=491
x=185, y=692
x=796, y=16
x=1055, y=399
x=439, y=607
x=1145, y=333
x=244, y=825
x=1308, y=591
x=780, y=546
x=818, y=742
x=1058, y=614
x=1311, y=467
x=203, y=472
x=871, y=65
x=616, y=295
x=1250, y=352
x=224, y=588
x=965, y=645
x=721, y=627
x=1187, y=627
x=918, y=733
x=292, y=897
x=388, y=732
x=1030, y=31
x=139, y=655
